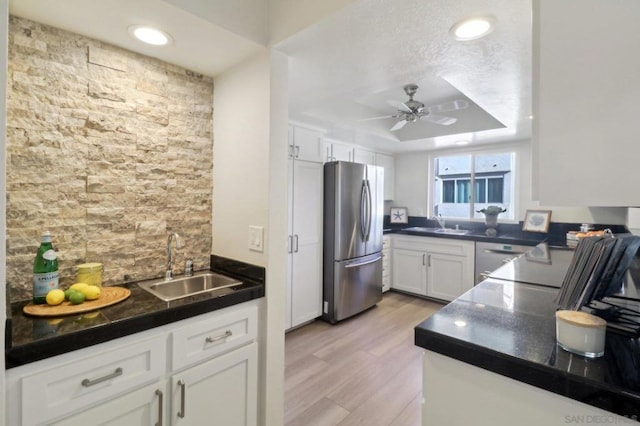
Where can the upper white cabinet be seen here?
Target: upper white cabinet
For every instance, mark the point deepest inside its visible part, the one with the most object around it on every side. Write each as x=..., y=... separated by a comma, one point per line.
x=305, y=144
x=363, y=156
x=338, y=152
x=436, y=267
x=586, y=95
x=386, y=162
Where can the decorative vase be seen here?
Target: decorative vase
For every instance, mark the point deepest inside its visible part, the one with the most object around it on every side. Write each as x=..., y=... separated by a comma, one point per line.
x=491, y=219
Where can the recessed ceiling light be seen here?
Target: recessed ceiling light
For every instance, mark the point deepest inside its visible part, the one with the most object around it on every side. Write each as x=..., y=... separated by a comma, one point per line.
x=473, y=28
x=150, y=35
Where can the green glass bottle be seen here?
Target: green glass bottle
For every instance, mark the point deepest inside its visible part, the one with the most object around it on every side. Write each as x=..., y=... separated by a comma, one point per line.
x=45, y=270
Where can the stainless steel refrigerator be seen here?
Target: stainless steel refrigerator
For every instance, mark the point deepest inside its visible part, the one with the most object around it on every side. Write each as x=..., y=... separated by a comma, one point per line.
x=353, y=213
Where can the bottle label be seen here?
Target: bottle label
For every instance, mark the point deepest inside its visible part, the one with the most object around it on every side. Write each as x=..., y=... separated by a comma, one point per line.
x=44, y=283
x=50, y=255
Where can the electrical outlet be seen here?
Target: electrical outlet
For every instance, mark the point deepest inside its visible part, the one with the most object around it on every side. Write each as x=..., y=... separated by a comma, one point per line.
x=256, y=238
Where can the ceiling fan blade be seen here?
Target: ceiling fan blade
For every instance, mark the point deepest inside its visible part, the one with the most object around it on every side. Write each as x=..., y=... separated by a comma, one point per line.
x=439, y=119
x=449, y=106
x=376, y=118
x=399, y=106
x=399, y=125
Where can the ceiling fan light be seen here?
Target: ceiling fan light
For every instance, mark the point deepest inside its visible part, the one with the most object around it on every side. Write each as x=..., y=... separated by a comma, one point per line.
x=472, y=28
x=150, y=35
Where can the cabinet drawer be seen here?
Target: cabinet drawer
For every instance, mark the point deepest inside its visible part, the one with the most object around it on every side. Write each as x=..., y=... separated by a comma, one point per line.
x=65, y=388
x=209, y=337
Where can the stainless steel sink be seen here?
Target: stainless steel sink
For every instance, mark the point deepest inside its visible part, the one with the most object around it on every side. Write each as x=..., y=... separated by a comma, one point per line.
x=180, y=287
x=452, y=231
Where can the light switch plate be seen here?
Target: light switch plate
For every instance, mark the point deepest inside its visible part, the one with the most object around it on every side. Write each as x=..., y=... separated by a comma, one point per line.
x=256, y=238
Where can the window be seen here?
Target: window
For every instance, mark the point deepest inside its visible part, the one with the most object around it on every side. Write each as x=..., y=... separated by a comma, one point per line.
x=464, y=184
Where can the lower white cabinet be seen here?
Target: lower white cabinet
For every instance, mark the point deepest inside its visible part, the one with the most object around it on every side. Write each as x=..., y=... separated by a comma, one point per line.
x=201, y=370
x=220, y=391
x=435, y=267
x=386, y=262
x=145, y=406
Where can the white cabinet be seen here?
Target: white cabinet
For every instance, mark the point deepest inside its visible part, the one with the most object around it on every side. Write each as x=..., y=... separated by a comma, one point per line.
x=585, y=103
x=386, y=262
x=221, y=391
x=364, y=157
x=142, y=407
x=305, y=144
x=304, y=275
x=338, y=152
x=387, y=163
x=435, y=267
x=202, y=368
x=409, y=271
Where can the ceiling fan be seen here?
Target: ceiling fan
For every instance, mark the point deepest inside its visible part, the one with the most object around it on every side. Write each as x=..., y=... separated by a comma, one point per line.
x=412, y=110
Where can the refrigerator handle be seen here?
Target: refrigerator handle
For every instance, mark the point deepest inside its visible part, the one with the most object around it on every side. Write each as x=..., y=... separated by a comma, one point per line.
x=363, y=203
x=369, y=207
x=355, y=265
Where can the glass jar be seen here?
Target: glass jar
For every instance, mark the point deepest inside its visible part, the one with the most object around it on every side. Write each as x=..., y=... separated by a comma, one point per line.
x=90, y=273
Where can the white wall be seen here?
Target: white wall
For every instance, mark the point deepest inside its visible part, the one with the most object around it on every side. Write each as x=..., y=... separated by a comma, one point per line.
x=249, y=188
x=287, y=17
x=241, y=158
x=412, y=187
x=4, y=25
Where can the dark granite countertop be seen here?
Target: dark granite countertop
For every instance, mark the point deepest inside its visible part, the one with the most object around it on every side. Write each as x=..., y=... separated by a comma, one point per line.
x=508, y=327
x=32, y=338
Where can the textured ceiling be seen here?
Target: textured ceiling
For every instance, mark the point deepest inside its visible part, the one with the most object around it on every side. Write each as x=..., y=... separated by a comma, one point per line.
x=377, y=46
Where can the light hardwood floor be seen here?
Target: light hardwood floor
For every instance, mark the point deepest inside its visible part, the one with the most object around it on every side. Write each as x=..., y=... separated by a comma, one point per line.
x=364, y=370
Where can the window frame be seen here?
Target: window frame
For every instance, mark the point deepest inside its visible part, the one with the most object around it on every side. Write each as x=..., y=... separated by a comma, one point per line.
x=516, y=154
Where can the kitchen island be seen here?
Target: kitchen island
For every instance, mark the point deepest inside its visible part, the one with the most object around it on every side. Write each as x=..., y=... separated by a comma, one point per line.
x=493, y=351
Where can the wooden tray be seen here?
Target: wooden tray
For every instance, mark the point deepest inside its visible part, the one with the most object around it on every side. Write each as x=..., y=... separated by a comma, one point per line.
x=108, y=296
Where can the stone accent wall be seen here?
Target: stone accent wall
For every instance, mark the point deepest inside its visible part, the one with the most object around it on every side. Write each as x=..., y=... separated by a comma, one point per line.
x=107, y=149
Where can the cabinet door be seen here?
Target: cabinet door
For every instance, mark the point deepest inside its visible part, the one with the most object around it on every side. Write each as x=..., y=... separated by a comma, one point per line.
x=341, y=152
x=308, y=145
x=387, y=163
x=448, y=276
x=364, y=157
x=409, y=271
x=222, y=391
x=306, y=256
x=143, y=407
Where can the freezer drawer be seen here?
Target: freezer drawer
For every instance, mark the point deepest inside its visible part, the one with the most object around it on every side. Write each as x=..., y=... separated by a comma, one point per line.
x=355, y=285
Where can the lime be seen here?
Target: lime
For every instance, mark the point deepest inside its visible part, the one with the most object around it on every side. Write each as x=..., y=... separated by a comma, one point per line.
x=68, y=292
x=76, y=298
x=55, y=297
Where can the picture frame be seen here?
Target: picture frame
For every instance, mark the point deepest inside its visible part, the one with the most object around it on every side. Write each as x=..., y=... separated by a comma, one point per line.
x=536, y=221
x=399, y=215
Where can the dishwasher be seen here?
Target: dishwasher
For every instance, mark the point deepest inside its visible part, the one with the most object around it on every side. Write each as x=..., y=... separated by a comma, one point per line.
x=491, y=256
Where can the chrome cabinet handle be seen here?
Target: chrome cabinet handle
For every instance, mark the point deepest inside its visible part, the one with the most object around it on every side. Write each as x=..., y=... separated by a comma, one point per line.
x=297, y=151
x=296, y=242
x=226, y=334
x=424, y=256
x=429, y=261
x=290, y=153
x=290, y=244
x=160, y=397
x=90, y=382
x=182, y=385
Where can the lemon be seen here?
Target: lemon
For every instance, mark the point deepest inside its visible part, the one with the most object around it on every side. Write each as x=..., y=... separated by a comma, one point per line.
x=76, y=298
x=91, y=292
x=78, y=286
x=55, y=297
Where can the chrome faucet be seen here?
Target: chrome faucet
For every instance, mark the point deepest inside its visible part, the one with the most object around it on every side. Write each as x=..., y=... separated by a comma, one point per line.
x=169, y=274
x=440, y=220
